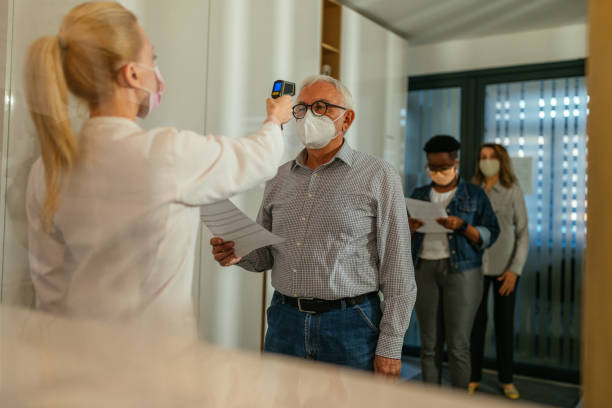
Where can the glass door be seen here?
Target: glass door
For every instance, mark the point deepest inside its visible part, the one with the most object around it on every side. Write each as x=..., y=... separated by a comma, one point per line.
x=543, y=126
x=538, y=113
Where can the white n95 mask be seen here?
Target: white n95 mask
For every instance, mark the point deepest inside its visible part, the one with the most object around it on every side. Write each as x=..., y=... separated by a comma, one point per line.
x=316, y=132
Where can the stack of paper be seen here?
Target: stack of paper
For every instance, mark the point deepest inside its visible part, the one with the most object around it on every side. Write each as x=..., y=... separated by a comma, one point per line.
x=226, y=221
x=428, y=213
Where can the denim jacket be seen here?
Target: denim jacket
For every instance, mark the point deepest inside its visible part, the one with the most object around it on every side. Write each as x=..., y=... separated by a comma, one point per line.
x=472, y=205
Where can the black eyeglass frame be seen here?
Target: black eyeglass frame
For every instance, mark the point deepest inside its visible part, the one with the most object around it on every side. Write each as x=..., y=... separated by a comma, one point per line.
x=306, y=106
x=441, y=169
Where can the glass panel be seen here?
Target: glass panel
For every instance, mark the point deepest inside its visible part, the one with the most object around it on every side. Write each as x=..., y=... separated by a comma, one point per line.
x=543, y=126
x=430, y=112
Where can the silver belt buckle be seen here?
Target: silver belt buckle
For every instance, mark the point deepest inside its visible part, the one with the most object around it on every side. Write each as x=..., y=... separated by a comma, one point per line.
x=299, y=302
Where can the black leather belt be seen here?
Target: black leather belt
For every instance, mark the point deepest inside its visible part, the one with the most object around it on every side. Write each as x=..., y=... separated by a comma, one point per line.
x=315, y=306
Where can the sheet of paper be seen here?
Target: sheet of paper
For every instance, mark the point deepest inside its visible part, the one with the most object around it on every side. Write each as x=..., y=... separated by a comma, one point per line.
x=226, y=221
x=428, y=213
x=523, y=169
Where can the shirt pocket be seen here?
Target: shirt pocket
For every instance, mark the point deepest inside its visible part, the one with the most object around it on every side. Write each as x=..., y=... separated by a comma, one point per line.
x=348, y=216
x=285, y=209
x=467, y=210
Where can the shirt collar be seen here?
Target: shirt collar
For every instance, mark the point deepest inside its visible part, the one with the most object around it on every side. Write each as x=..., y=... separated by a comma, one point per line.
x=497, y=187
x=462, y=190
x=346, y=154
x=111, y=120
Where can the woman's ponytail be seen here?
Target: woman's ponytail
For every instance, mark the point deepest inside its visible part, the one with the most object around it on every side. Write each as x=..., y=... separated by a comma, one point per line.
x=94, y=40
x=47, y=97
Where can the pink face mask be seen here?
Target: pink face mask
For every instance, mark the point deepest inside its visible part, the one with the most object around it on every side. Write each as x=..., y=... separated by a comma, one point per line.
x=155, y=98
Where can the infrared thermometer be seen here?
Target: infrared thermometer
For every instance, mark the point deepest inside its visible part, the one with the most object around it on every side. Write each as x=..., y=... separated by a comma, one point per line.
x=281, y=88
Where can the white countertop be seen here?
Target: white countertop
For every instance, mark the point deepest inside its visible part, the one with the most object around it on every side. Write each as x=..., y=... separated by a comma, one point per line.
x=47, y=361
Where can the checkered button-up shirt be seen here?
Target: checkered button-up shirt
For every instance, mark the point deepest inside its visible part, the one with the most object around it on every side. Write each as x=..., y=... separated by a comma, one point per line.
x=347, y=234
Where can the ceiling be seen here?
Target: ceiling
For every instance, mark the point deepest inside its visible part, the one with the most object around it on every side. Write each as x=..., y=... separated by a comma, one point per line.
x=431, y=21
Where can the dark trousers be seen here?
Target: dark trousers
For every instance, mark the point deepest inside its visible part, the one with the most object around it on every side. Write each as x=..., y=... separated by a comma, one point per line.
x=446, y=304
x=503, y=312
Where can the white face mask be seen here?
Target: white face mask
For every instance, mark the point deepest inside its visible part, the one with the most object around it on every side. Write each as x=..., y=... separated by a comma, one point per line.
x=443, y=178
x=316, y=132
x=489, y=167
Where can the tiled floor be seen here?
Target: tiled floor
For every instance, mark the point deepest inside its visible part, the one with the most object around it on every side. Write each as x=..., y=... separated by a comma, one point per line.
x=533, y=390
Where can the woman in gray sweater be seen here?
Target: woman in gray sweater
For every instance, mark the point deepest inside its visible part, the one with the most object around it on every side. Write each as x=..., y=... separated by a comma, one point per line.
x=502, y=264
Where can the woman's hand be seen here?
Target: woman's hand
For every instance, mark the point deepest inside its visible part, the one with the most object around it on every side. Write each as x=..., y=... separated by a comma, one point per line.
x=280, y=108
x=415, y=224
x=509, y=278
x=451, y=222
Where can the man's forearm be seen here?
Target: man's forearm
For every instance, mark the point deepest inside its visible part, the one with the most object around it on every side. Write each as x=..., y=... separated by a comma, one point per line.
x=394, y=323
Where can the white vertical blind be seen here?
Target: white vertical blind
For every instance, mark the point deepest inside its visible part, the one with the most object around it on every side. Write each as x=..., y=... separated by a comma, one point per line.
x=545, y=122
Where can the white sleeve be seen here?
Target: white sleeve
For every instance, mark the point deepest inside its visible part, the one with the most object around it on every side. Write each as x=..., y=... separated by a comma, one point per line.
x=212, y=168
x=45, y=252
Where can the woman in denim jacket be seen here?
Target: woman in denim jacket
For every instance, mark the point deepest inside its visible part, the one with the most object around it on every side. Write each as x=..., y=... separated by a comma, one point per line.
x=448, y=265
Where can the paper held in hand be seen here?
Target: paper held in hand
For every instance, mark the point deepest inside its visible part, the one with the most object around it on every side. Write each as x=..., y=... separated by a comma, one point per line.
x=226, y=221
x=428, y=213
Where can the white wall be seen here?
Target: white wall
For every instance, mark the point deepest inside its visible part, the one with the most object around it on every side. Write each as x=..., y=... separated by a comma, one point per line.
x=529, y=47
x=373, y=69
x=247, y=53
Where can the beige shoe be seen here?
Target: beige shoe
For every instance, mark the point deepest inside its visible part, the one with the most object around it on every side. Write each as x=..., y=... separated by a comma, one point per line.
x=511, y=392
x=473, y=387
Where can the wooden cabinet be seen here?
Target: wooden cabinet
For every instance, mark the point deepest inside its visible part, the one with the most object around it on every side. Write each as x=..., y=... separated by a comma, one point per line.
x=331, y=38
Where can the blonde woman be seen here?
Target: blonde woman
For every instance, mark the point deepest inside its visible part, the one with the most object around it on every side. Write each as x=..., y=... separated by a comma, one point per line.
x=113, y=210
x=502, y=264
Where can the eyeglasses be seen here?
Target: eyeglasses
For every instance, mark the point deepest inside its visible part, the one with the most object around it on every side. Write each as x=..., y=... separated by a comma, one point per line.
x=439, y=169
x=318, y=108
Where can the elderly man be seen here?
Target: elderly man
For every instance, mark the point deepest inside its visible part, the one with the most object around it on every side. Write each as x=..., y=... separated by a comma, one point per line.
x=344, y=218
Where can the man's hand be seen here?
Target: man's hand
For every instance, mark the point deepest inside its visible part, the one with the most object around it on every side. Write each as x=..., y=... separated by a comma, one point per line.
x=451, y=222
x=387, y=366
x=224, y=252
x=415, y=224
x=509, y=278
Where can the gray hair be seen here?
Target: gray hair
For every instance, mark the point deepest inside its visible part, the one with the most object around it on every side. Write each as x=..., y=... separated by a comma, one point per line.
x=340, y=87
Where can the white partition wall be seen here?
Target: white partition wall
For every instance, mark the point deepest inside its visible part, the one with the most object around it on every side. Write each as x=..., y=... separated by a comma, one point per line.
x=27, y=20
x=252, y=44
x=179, y=32
x=373, y=69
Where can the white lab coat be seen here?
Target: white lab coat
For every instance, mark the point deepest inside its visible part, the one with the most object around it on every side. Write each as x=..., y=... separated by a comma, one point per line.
x=122, y=245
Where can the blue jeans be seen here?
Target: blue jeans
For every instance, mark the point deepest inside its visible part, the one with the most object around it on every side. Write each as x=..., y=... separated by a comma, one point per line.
x=346, y=336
